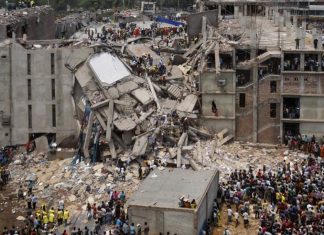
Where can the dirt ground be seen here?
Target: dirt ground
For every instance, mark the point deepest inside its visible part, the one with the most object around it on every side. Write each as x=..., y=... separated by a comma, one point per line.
x=8, y=204
x=239, y=230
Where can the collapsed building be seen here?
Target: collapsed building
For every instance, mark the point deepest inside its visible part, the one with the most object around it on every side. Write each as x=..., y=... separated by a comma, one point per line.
x=254, y=74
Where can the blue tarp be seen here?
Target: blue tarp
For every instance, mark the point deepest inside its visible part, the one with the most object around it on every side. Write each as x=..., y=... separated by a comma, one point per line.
x=167, y=21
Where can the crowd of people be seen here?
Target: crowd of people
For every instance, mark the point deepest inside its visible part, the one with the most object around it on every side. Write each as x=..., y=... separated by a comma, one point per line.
x=286, y=200
x=126, y=31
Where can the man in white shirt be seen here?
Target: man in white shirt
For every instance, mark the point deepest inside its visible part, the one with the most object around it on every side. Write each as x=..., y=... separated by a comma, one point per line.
x=246, y=219
x=236, y=216
x=229, y=215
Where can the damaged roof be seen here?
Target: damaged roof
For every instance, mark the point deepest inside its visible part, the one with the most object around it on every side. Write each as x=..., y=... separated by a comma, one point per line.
x=108, y=68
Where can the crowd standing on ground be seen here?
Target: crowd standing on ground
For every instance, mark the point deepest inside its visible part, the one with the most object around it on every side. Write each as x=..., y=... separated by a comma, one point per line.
x=287, y=200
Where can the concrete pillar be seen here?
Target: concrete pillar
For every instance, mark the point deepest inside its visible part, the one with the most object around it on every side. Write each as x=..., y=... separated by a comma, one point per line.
x=281, y=22
x=303, y=35
x=295, y=21
x=236, y=12
x=284, y=17
x=267, y=12
x=242, y=20
x=220, y=12
x=245, y=10
x=319, y=59
x=255, y=102
x=288, y=19
x=302, y=61
x=276, y=18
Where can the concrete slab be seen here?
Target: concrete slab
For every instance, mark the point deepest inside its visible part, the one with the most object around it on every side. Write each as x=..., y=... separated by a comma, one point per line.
x=140, y=146
x=188, y=104
x=143, y=96
x=125, y=124
x=108, y=68
x=42, y=144
x=126, y=87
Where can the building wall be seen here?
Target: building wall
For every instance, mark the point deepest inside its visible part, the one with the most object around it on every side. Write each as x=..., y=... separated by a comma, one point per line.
x=4, y=92
x=268, y=127
x=312, y=108
x=206, y=205
x=224, y=97
x=244, y=115
x=305, y=83
x=161, y=220
x=41, y=93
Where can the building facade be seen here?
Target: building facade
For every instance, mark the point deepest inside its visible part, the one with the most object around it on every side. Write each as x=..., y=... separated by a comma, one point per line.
x=271, y=84
x=36, y=90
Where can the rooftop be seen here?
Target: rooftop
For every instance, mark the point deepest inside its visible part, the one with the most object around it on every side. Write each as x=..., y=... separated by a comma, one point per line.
x=163, y=188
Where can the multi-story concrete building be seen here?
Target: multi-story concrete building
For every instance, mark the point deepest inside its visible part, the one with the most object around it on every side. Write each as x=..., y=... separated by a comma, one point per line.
x=270, y=80
x=35, y=90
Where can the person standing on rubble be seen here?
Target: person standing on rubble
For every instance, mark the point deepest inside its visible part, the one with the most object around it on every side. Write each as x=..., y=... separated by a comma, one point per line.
x=20, y=193
x=185, y=124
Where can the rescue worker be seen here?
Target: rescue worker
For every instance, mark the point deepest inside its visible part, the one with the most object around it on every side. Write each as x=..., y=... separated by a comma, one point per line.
x=51, y=218
x=60, y=217
x=45, y=220
x=66, y=216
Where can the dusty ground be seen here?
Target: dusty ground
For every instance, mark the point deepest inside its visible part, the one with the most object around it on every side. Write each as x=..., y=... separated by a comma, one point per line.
x=8, y=205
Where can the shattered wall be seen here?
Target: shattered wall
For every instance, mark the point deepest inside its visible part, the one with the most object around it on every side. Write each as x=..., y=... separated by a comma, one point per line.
x=194, y=21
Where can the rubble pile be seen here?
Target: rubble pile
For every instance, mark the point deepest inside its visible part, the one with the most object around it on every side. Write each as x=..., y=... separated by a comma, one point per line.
x=68, y=25
x=134, y=115
x=12, y=17
x=76, y=184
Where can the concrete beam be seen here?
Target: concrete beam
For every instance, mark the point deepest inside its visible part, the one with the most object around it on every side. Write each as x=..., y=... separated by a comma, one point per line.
x=180, y=143
x=153, y=92
x=204, y=30
x=88, y=135
x=110, y=118
x=217, y=63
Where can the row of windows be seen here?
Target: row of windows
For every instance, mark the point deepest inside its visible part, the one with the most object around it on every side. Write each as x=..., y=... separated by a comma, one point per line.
x=30, y=116
x=29, y=64
x=29, y=89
